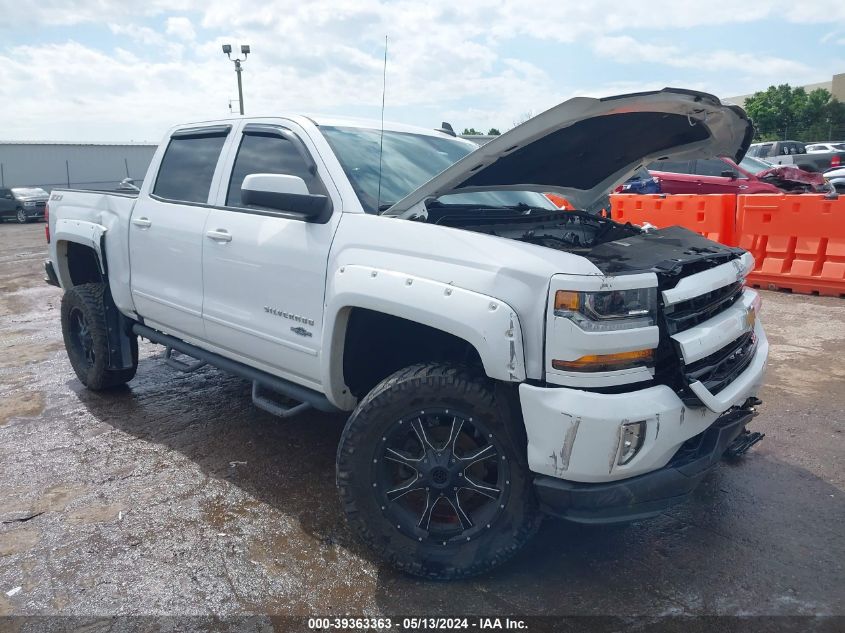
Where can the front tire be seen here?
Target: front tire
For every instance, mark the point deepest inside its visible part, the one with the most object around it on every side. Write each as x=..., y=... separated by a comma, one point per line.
x=84, y=331
x=20, y=214
x=432, y=474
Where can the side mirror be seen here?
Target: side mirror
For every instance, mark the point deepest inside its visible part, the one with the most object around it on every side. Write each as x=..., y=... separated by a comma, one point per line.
x=283, y=193
x=728, y=173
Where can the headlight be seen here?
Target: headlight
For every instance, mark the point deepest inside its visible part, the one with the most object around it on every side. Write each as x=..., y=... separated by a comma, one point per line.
x=608, y=311
x=29, y=203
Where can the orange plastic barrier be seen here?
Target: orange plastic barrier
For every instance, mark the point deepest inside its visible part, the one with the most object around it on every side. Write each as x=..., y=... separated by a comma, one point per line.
x=713, y=216
x=798, y=242
x=560, y=201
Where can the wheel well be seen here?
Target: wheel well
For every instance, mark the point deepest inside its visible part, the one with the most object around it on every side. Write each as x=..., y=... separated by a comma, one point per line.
x=82, y=264
x=376, y=345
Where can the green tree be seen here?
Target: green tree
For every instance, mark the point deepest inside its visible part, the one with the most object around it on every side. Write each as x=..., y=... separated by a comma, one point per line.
x=493, y=132
x=782, y=112
x=470, y=130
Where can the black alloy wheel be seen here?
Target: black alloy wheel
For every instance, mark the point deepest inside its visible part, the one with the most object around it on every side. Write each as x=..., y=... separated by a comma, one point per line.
x=441, y=475
x=433, y=475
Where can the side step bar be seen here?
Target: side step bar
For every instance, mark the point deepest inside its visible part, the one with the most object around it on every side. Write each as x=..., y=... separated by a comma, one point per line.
x=263, y=402
x=178, y=365
x=258, y=378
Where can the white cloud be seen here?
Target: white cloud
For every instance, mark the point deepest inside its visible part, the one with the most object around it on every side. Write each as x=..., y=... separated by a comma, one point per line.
x=626, y=49
x=327, y=56
x=181, y=27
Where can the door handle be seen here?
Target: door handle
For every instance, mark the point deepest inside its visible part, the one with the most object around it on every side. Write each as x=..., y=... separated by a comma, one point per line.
x=220, y=235
x=144, y=223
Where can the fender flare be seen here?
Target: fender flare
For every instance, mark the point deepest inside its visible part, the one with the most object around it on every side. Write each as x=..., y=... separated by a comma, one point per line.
x=489, y=324
x=88, y=234
x=92, y=235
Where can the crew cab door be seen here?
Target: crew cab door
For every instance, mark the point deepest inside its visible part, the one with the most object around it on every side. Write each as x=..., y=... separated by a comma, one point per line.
x=264, y=269
x=166, y=232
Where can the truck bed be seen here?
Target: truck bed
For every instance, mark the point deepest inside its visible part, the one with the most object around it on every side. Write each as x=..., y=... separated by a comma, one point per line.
x=82, y=215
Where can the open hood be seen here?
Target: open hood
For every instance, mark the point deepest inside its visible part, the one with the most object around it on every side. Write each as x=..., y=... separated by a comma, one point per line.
x=584, y=147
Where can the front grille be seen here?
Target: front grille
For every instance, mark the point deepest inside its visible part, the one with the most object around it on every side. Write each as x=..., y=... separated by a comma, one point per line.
x=686, y=314
x=719, y=369
x=41, y=204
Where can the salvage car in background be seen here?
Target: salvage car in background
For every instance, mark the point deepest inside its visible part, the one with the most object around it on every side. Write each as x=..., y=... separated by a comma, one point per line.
x=815, y=148
x=795, y=153
x=23, y=203
x=722, y=175
x=836, y=178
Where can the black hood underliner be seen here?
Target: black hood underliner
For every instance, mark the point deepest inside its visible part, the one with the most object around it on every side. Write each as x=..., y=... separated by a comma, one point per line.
x=615, y=249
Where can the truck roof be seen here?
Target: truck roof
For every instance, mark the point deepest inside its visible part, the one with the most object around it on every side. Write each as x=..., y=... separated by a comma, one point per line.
x=327, y=120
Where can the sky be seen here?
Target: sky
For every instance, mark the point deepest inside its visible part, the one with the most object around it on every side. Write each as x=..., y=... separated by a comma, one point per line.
x=118, y=70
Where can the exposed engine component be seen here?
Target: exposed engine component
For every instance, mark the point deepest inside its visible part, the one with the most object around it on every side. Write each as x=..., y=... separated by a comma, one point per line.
x=566, y=231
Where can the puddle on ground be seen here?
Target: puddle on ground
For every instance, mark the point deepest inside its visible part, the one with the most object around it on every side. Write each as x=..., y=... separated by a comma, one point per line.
x=17, y=541
x=15, y=352
x=218, y=512
x=95, y=514
x=27, y=403
x=54, y=499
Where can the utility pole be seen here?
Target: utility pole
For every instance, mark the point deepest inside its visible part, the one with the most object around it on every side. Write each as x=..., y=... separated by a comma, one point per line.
x=245, y=50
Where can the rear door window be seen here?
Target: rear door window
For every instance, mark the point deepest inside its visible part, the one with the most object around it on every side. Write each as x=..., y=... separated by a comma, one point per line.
x=188, y=165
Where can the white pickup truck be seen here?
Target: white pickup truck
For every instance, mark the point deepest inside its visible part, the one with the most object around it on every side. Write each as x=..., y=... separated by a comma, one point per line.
x=499, y=359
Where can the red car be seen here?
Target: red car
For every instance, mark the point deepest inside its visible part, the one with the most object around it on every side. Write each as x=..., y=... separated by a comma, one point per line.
x=722, y=175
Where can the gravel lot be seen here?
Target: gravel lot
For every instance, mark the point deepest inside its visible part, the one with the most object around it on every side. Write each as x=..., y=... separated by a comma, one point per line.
x=176, y=496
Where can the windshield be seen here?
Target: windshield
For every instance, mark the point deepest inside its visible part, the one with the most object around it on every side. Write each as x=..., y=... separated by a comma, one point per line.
x=29, y=191
x=754, y=165
x=408, y=161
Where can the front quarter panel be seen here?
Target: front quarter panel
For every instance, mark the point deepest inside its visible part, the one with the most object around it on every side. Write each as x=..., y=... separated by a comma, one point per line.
x=488, y=324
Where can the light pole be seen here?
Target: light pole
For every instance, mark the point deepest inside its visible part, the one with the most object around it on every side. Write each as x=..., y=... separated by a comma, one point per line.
x=227, y=48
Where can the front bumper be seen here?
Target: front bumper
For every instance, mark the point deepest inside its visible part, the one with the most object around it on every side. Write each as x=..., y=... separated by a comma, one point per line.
x=575, y=434
x=646, y=495
x=34, y=213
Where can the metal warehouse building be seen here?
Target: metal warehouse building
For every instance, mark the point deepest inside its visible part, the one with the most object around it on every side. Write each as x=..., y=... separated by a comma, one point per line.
x=73, y=165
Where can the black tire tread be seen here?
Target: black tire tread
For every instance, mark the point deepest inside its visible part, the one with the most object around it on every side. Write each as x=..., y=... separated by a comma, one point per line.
x=91, y=299
x=474, y=386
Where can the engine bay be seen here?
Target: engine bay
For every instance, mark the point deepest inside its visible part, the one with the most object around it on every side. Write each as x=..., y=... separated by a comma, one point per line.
x=571, y=231
x=613, y=247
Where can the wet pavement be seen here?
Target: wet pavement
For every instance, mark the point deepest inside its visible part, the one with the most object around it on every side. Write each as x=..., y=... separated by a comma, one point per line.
x=176, y=496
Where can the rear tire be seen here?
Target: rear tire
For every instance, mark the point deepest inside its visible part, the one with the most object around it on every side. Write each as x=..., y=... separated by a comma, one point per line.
x=84, y=331
x=470, y=503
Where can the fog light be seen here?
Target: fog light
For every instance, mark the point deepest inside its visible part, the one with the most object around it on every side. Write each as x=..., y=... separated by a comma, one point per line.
x=633, y=436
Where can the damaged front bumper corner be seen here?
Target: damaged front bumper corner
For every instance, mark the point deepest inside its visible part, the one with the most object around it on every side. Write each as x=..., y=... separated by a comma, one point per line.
x=576, y=441
x=646, y=495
